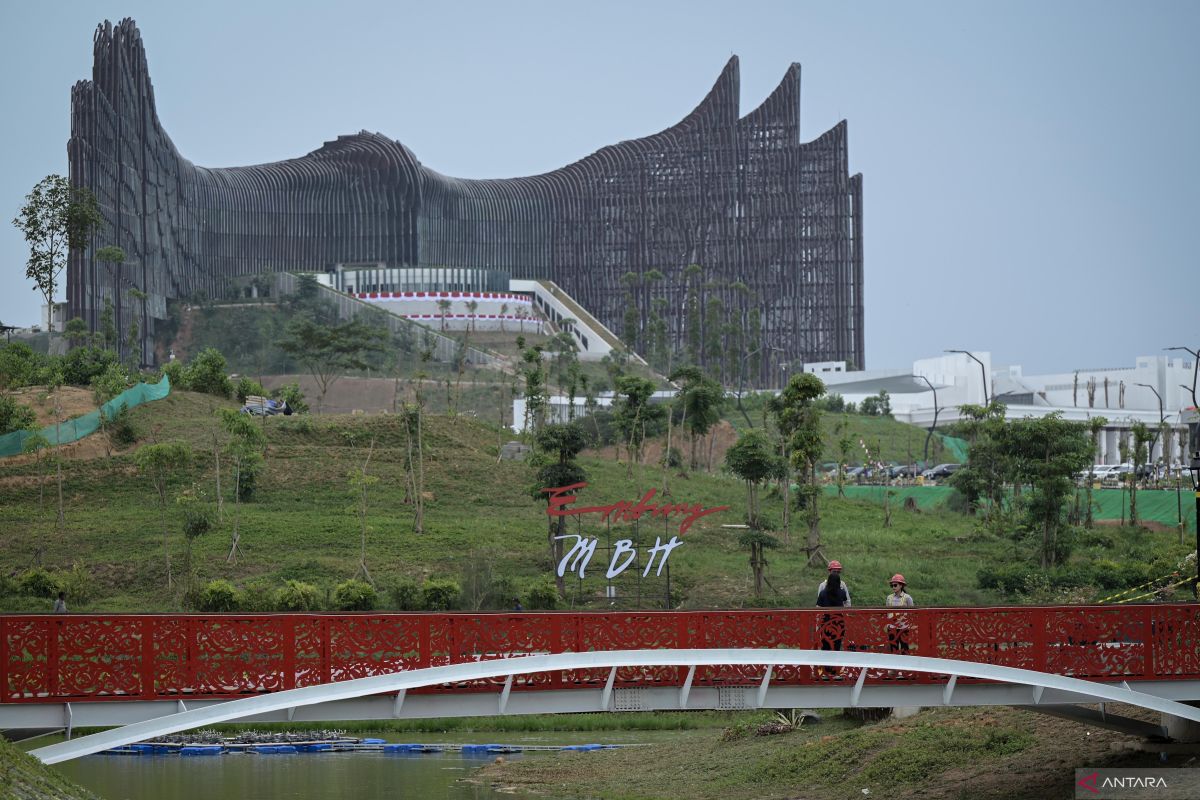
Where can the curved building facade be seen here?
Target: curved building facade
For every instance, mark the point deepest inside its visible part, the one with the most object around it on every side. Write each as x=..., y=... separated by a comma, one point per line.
x=774, y=223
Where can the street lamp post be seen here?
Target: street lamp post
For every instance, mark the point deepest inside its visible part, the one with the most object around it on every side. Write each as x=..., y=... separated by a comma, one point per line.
x=982, y=371
x=929, y=435
x=1162, y=423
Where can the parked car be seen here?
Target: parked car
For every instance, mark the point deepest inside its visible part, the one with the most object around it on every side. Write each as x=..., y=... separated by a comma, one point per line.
x=941, y=472
x=905, y=471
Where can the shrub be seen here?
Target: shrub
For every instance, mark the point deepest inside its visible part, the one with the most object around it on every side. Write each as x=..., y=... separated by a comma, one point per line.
x=14, y=416
x=18, y=365
x=248, y=480
x=297, y=596
x=37, y=582
x=542, y=595
x=207, y=373
x=354, y=595
x=290, y=393
x=440, y=594
x=259, y=597
x=246, y=387
x=122, y=429
x=406, y=595
x=78, y=583
x=176, y=374
x=218, y=596
x=82, y=364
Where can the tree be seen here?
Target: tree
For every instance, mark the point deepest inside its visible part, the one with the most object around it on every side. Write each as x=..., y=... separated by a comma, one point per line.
x=360, y=484
x=443, y=310
x=1096, y=426
x=987, y=469
x=758, y=542
x=1143, y=437
x=799, y=421
x=56, y=219
x=197, y=521
x=76, y=331
x=162, y=463
x=560, y=444
x=635, y=415
x=700, y=401
x=327, y=351
x=14, y=416
x=114, y=257
x=1050, y=451
x=246, y=442
x=753, y=459
x=472, y=306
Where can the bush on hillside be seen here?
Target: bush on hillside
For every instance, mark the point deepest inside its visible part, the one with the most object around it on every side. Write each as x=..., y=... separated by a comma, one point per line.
x=37, y=582
x=81, y=365
x=176, y=374
x=14, y=416
x=258, y=597
x=18, y=365
x=406, y=595
x=207, y=373
x=297, y=596
x=218, y=596
x=245, y=387
x=542, y=595
x=122, y=429
x=354, y=595
x=78, y=584
x=441, y=594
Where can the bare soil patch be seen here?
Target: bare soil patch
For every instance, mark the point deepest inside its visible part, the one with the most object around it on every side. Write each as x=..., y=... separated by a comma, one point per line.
x=75, y=401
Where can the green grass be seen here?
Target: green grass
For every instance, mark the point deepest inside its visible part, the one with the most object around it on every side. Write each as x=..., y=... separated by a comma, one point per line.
x=836, y=759
x=480, y=515
x=887, y=440
x=23, y=777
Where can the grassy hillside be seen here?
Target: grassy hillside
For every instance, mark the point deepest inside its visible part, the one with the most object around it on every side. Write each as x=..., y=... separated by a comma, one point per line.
x=888, y=440
x=995, y=753
x=482, y=525
x=23, y=777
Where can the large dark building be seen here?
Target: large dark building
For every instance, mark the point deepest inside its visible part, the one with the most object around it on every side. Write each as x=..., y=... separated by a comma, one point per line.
x=774, y=224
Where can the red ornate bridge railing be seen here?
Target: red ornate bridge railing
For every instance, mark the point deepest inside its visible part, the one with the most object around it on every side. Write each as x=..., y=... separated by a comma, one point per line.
x=59, y=658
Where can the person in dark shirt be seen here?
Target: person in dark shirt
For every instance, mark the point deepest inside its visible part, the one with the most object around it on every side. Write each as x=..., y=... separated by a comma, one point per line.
x=833, y=626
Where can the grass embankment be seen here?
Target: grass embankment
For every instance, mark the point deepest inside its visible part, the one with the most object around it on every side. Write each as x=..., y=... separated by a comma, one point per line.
x=936, y=755
x=23, y=777
x=480, y=519
x=886, y=439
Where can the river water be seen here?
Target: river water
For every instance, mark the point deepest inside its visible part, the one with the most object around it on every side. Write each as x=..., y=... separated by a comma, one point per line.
x=304, y=776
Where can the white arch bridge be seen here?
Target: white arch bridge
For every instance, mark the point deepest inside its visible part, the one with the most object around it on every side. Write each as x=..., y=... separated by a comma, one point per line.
x=842, y=682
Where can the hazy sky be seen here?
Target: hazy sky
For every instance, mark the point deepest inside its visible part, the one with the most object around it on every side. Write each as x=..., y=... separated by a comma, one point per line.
x=1031, y=170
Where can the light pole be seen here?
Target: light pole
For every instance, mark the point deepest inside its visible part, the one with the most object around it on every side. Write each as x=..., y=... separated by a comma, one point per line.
x=1162, y=423
x=982, y=371
x=929, y=435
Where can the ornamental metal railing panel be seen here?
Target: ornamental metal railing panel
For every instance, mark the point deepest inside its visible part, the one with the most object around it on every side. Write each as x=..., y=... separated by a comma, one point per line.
x=74, y=658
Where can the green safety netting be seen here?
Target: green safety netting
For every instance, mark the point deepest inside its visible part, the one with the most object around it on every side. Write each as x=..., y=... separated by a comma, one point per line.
x=956, y=446
x=72, y=430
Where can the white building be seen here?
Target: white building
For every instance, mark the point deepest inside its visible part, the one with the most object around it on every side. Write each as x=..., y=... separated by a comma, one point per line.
x=1122, y=395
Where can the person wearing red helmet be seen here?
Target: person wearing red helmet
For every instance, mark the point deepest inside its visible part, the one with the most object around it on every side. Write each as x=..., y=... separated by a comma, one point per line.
x=899, y=598
x=842, y=596
x=898, y=624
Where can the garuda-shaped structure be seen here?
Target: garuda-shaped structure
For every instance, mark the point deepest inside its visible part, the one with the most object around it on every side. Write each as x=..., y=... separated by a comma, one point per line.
x=723, y=236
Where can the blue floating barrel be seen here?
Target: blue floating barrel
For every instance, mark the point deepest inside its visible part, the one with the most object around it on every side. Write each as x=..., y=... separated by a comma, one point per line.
x=201, y=750
x=317, y=748
x=373, y=741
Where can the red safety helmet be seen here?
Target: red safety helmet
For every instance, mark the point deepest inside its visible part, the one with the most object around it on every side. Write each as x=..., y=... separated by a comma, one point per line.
x=835, y=565
x=898, y=578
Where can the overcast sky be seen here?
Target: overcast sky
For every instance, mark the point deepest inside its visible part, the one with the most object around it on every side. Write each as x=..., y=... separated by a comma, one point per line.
x=1031, y=170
